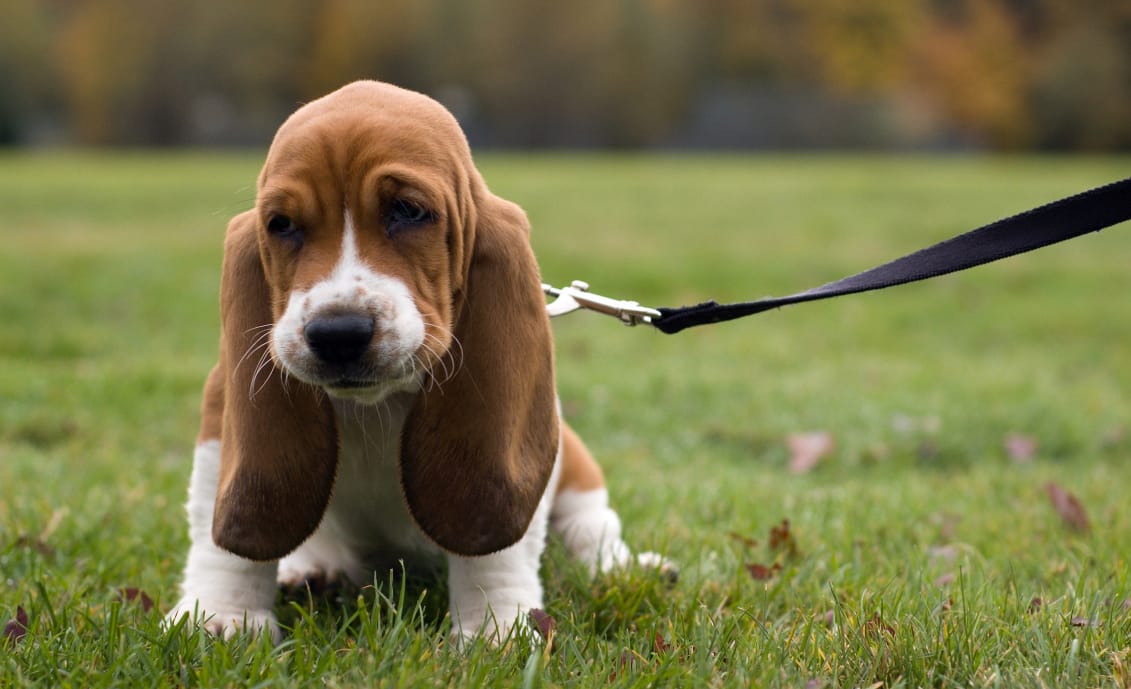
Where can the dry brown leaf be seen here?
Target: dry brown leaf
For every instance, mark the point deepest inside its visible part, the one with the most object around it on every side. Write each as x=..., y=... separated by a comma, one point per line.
x=1020, y=448
x=544, y=623
x=781, y=539
x=875, y=624
x=942, y=553
x=744, y=540
x=36, y=544
x=630, y=661
x=806, y=450
x=1069, y=508
x=135, y=595
x=1036, y=604
x=762, y=572
x=1083, y=622
x=16, y=629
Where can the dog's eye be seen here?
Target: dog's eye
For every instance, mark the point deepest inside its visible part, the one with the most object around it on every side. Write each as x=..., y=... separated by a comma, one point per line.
x=405, y=214
x=282, y=226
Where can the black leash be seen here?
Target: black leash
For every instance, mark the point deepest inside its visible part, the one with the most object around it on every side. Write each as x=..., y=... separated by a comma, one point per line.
x=1070, y=217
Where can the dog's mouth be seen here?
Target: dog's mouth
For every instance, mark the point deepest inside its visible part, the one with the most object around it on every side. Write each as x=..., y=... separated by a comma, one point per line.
x=368, y=389
x=351, y=384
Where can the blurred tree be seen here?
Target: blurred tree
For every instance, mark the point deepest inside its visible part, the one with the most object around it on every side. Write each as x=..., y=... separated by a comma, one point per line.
x=25, y=75
x=103, y=50
x=355, y=39
x=861, y=48
x=1081, y=86
x=1008, y=73
x=972, y=63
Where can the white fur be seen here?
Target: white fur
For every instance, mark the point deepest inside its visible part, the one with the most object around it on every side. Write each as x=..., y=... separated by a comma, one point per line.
x=366, y=526
x=353, y=287
x=220, y=592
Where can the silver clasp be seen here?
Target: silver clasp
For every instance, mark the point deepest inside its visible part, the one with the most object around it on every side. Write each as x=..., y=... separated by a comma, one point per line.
x=577, y=296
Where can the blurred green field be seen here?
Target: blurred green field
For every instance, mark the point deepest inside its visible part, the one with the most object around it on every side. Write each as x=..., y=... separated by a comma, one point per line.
x=921, y=541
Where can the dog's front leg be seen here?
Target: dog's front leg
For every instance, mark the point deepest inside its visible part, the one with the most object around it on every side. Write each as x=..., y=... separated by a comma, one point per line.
x=221, y=592
x=491, y=594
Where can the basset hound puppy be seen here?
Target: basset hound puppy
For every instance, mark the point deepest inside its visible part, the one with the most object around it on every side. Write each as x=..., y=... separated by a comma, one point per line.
x=385, y=386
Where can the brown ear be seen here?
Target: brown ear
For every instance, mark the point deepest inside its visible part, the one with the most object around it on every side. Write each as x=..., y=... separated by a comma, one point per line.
x=278, y=442
x=478, y=450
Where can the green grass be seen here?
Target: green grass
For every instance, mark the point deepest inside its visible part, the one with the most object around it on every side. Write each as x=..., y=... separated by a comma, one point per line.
x=920, y=545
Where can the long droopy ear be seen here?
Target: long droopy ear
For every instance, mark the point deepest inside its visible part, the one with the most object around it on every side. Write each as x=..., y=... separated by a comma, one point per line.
x=477, y=450
x=278, y=441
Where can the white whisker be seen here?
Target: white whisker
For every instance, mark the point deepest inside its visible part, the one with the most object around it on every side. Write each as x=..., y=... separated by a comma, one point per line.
x=259, y=341
x=263, y=363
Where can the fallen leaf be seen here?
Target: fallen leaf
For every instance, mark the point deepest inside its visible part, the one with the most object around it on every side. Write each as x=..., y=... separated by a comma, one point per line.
x=661, y=646
x=942, y=553
x=806, y=450
x=1020, y=448
x=36, y=544
x=947, y=605
x=1114, y=438
x=876, y=624
x=16, y=629
x=948, y=524
x=1083, y=622
x=781, y=539
x=762, y=572
x=1069, y=508
x=134, y=595
x=629, y=660
x=543, y=622
x=744, y=540
x=1036, y=604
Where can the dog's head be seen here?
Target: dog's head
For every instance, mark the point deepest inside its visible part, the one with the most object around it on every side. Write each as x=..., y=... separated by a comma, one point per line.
x=376, y=262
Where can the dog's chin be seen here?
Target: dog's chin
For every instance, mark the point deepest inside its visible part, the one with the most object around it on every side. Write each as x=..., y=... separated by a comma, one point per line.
x=361, y=384
x=368, y=391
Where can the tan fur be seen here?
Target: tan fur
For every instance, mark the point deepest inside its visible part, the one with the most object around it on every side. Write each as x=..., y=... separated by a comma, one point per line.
x=477, y=449
x=477, y=453
x=212, y=405
x=278, y=438
x=580, y=472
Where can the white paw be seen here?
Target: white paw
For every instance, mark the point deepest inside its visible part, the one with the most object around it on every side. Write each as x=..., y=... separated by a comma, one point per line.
x=493, y=629
x=663, y=566
x=316, y=578
x=224, y=623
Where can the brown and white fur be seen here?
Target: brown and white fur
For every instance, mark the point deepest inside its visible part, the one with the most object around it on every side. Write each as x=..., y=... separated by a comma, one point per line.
x=385, y=385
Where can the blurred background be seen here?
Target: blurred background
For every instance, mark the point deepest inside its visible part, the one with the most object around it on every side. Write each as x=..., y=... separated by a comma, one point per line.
x=631, y=74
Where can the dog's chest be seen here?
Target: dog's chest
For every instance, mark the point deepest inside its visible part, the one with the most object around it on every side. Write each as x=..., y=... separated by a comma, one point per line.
x=367, y=511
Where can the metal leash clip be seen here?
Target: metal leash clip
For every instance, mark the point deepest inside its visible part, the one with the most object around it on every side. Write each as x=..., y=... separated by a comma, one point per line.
x=577, y=296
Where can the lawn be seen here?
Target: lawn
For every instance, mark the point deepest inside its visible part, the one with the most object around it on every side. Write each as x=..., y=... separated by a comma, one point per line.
x=922, y=550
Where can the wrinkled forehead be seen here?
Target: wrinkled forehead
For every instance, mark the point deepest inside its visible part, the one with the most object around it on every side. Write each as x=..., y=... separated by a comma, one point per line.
x=363, y=127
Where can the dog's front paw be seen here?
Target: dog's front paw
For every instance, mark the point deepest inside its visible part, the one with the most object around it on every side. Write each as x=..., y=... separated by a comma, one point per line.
x=667, y=569
x=495, y=630
x=316, y=579
x=221, y=622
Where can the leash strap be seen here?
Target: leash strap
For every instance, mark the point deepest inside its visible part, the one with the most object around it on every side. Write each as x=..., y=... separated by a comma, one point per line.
x=1089, y=211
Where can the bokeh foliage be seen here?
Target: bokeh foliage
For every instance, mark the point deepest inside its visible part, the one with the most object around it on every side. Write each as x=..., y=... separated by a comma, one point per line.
x=1005, y=74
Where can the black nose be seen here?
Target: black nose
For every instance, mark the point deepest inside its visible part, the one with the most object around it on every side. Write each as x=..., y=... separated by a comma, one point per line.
x=339, y=339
